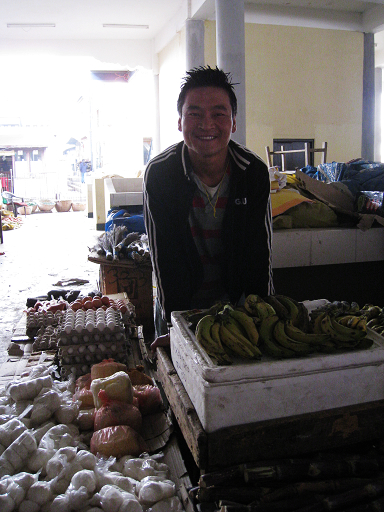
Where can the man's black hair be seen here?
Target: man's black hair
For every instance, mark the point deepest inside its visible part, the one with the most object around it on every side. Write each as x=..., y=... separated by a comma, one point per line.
x=205, y=76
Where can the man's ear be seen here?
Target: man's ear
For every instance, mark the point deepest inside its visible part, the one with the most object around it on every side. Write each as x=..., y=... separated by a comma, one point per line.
x=234, y=125
x=179, y=125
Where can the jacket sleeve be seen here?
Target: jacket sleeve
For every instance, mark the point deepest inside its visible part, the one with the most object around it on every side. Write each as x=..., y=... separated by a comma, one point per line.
x=259, y=234
x=166, y=240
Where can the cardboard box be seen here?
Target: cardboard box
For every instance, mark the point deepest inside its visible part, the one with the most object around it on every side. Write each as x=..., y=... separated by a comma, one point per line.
x=335, y=195
x=136, y=281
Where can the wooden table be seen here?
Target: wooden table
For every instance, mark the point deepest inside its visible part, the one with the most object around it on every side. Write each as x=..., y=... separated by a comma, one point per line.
x=280, y=438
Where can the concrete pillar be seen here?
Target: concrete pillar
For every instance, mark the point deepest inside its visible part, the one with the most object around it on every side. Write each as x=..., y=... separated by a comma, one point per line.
x=378, y=96
x=230, y=48
x=156, y=139
x=194, y=30
x=368, y=125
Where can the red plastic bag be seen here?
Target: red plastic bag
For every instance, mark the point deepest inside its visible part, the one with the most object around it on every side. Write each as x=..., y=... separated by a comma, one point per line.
x=118, y=441
x=149, y=398
x=116, y=412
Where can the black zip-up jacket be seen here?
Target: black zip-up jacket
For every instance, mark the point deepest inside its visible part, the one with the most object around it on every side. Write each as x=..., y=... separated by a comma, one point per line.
x=246, y=233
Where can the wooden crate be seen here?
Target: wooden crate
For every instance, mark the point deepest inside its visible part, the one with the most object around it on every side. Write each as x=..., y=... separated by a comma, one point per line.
x=133, y=279
x=272, y=439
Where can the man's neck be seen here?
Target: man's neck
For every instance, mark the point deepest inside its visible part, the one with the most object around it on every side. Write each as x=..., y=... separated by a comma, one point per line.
x=210, y=170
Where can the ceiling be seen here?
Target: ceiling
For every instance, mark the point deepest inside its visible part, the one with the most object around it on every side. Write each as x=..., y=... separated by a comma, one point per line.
x=84, y=19
x=159, y=20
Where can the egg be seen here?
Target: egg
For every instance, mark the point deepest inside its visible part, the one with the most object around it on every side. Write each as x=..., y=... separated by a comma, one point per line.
x=97, y=303
x=105, y=300
x=100, y=326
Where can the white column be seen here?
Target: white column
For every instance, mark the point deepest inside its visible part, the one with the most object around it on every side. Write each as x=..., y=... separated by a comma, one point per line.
x=368, y=135
x=230, y=48
x=194, y=30
x=156, y=139
x=378, y=96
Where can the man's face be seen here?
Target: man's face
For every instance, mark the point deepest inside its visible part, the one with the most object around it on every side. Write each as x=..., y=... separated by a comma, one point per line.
x=206, y=121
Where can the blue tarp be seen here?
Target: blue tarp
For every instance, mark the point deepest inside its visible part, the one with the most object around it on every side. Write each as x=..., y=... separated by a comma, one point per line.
x=134, y=222
x=357, y=175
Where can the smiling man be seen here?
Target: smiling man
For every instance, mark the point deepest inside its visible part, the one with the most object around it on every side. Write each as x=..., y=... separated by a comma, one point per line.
x=207, y=207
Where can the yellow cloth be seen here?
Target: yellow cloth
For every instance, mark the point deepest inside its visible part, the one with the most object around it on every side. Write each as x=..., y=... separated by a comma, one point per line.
x=286, y=198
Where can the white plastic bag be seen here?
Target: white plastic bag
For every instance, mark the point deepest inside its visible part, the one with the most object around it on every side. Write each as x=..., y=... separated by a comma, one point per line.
x=152, y=489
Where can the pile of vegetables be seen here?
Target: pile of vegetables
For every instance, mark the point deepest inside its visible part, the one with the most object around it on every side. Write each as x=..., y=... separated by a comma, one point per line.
x=45, y=461
x=9, y=221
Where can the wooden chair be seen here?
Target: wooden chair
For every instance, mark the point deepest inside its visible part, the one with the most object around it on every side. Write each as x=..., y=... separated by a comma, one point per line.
x=306, y=150
x=322, y=150
x=283, y=153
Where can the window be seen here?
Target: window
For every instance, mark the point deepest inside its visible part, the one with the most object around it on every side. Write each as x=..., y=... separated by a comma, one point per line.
x=295, y=159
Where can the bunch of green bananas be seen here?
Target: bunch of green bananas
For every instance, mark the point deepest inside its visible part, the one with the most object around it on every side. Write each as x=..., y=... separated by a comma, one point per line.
x=287, y=330
x=284, y=325
x=341, y=334
x=229, y=333
x=347, y=329
x=280, y=326
x=374, y=316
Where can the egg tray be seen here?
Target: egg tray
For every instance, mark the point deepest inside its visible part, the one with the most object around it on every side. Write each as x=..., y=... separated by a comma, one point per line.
x=90, y=359
x=38, y=319
x=79, y=369
x=130, y=314
x=84, y=325
x=86, y=338
x=86, y=352
x=47, y=338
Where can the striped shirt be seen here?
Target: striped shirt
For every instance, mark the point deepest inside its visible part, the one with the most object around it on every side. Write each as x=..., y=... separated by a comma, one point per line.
x=206, y=219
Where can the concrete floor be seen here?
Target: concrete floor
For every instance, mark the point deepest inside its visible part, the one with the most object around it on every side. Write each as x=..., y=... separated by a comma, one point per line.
x=47, y=248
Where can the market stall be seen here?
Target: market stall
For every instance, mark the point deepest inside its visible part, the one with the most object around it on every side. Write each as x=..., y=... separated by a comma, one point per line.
x=257, y=423
x=320, y=236
x=270, y=432
x=79, y=405
x=270, y=412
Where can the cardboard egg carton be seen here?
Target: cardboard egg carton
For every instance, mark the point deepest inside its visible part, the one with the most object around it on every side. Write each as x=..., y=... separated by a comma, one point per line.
x=37, y=319
x=94, y=327
x=87, y=338
x=84, y=367
x=47, y=338
x=79, y=353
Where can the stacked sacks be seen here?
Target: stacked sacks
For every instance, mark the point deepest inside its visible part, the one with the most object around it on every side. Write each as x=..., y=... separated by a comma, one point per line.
x=112, y=405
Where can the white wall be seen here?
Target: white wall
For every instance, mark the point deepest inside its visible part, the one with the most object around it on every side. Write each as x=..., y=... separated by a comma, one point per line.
x=172, y=63
x=104, y=54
